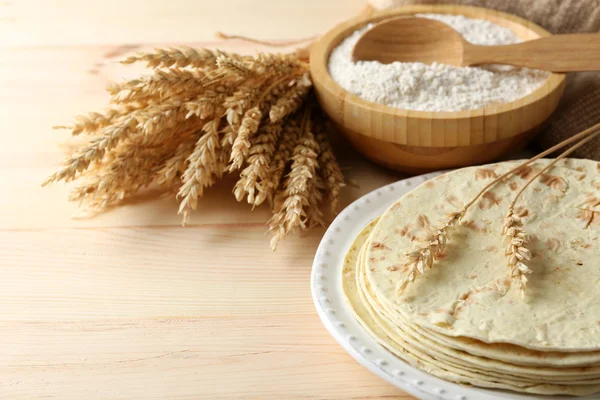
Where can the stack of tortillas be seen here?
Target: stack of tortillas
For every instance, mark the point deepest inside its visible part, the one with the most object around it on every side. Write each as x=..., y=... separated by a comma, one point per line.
x=464, y=319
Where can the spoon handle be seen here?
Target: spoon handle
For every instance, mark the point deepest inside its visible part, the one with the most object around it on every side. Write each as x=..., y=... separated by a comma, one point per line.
x=557, y=53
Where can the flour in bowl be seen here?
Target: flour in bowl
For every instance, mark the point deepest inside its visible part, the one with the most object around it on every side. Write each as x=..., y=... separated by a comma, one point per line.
x=436, y=87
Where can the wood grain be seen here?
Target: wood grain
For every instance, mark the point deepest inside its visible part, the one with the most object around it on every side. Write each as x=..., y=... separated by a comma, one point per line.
x=390, y=133
x=129, y=305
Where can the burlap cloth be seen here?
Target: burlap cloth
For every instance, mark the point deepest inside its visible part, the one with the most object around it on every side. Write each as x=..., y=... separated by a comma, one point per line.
x=580, y=106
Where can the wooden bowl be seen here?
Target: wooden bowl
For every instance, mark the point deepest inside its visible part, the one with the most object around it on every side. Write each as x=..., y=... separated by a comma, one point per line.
x=420, y=141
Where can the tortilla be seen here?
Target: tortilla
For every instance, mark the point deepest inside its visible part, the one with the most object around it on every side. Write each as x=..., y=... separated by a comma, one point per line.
x=548, y=343
x=367, y=317
x=561, y=311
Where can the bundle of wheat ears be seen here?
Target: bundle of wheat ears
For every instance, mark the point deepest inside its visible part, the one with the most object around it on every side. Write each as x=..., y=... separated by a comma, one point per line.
x=203, y=114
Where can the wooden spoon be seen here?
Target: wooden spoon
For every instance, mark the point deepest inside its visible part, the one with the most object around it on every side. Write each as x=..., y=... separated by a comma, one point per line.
x=411, y=39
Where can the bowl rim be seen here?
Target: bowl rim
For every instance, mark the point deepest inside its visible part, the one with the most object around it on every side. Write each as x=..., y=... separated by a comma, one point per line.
x=321, y=50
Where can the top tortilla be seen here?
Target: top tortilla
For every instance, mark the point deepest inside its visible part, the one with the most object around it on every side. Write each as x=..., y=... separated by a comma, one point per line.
x=561, y=213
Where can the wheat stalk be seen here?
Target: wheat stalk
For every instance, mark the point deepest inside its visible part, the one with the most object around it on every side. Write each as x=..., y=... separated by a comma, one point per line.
x=285, y=147
x=251, y=179
x=291, y=100
x=294, y=203
x=283, y=63
x=95, y=121
x=178, y=58
x=163, y=84
x=333, y=178
x=171, y=172
x=516, y=248
x=314, y=214
x=241, y=144
x=428, y=253
x=201, y=169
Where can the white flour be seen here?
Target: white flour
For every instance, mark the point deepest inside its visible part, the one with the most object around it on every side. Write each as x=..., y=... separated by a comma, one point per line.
x=437, y=87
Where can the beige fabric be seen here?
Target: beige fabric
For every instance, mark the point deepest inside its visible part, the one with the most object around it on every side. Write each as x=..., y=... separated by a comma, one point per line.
x=580, y=106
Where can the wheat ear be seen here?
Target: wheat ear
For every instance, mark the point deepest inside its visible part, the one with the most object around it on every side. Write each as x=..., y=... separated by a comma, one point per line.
x=162, y=85
x=179, y=58
x=201, y=169
x=261, y=151
x=295, y=199
x=333, y=179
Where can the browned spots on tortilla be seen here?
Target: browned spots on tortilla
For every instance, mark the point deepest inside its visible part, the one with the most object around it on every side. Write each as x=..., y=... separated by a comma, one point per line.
x=488, y=200
x=392, y=268
x=93, y=71
x=472, y=225
x=546, y=225
x=441, y=256
x=453, y=200
x=513, y=186
x=409, y=195
x=554, y=198
x=524, y=212
x=580, y=169
x=380, y=246
x=485, y=173
x=537, y=189
x=413, y=238
x=566, y=162
x=429, y=184
x=491, y=249
x=120, y=50
x=554, y=182
x=591, y=201
x=587, y=246
x=372, y=259
x=598, y=166
x=424, y=222
x=472, y=276
x=397, y=205
x=524, y=172
x=581, y=177
x=589, y=217
x=555, y=245
x=402, y=231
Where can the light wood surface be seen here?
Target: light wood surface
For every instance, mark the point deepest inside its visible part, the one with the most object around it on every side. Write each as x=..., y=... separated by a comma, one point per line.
x=416, y=141
x=129, y=305
x=424, y=40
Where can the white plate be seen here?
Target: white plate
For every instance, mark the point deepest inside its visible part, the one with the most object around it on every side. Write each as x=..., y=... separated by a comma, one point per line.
x=326, y=288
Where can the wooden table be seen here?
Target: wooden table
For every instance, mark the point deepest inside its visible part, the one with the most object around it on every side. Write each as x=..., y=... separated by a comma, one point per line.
x=129, y=305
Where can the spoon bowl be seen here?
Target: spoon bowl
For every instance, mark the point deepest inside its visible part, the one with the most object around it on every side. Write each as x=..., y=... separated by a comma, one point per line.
x=410, y=39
